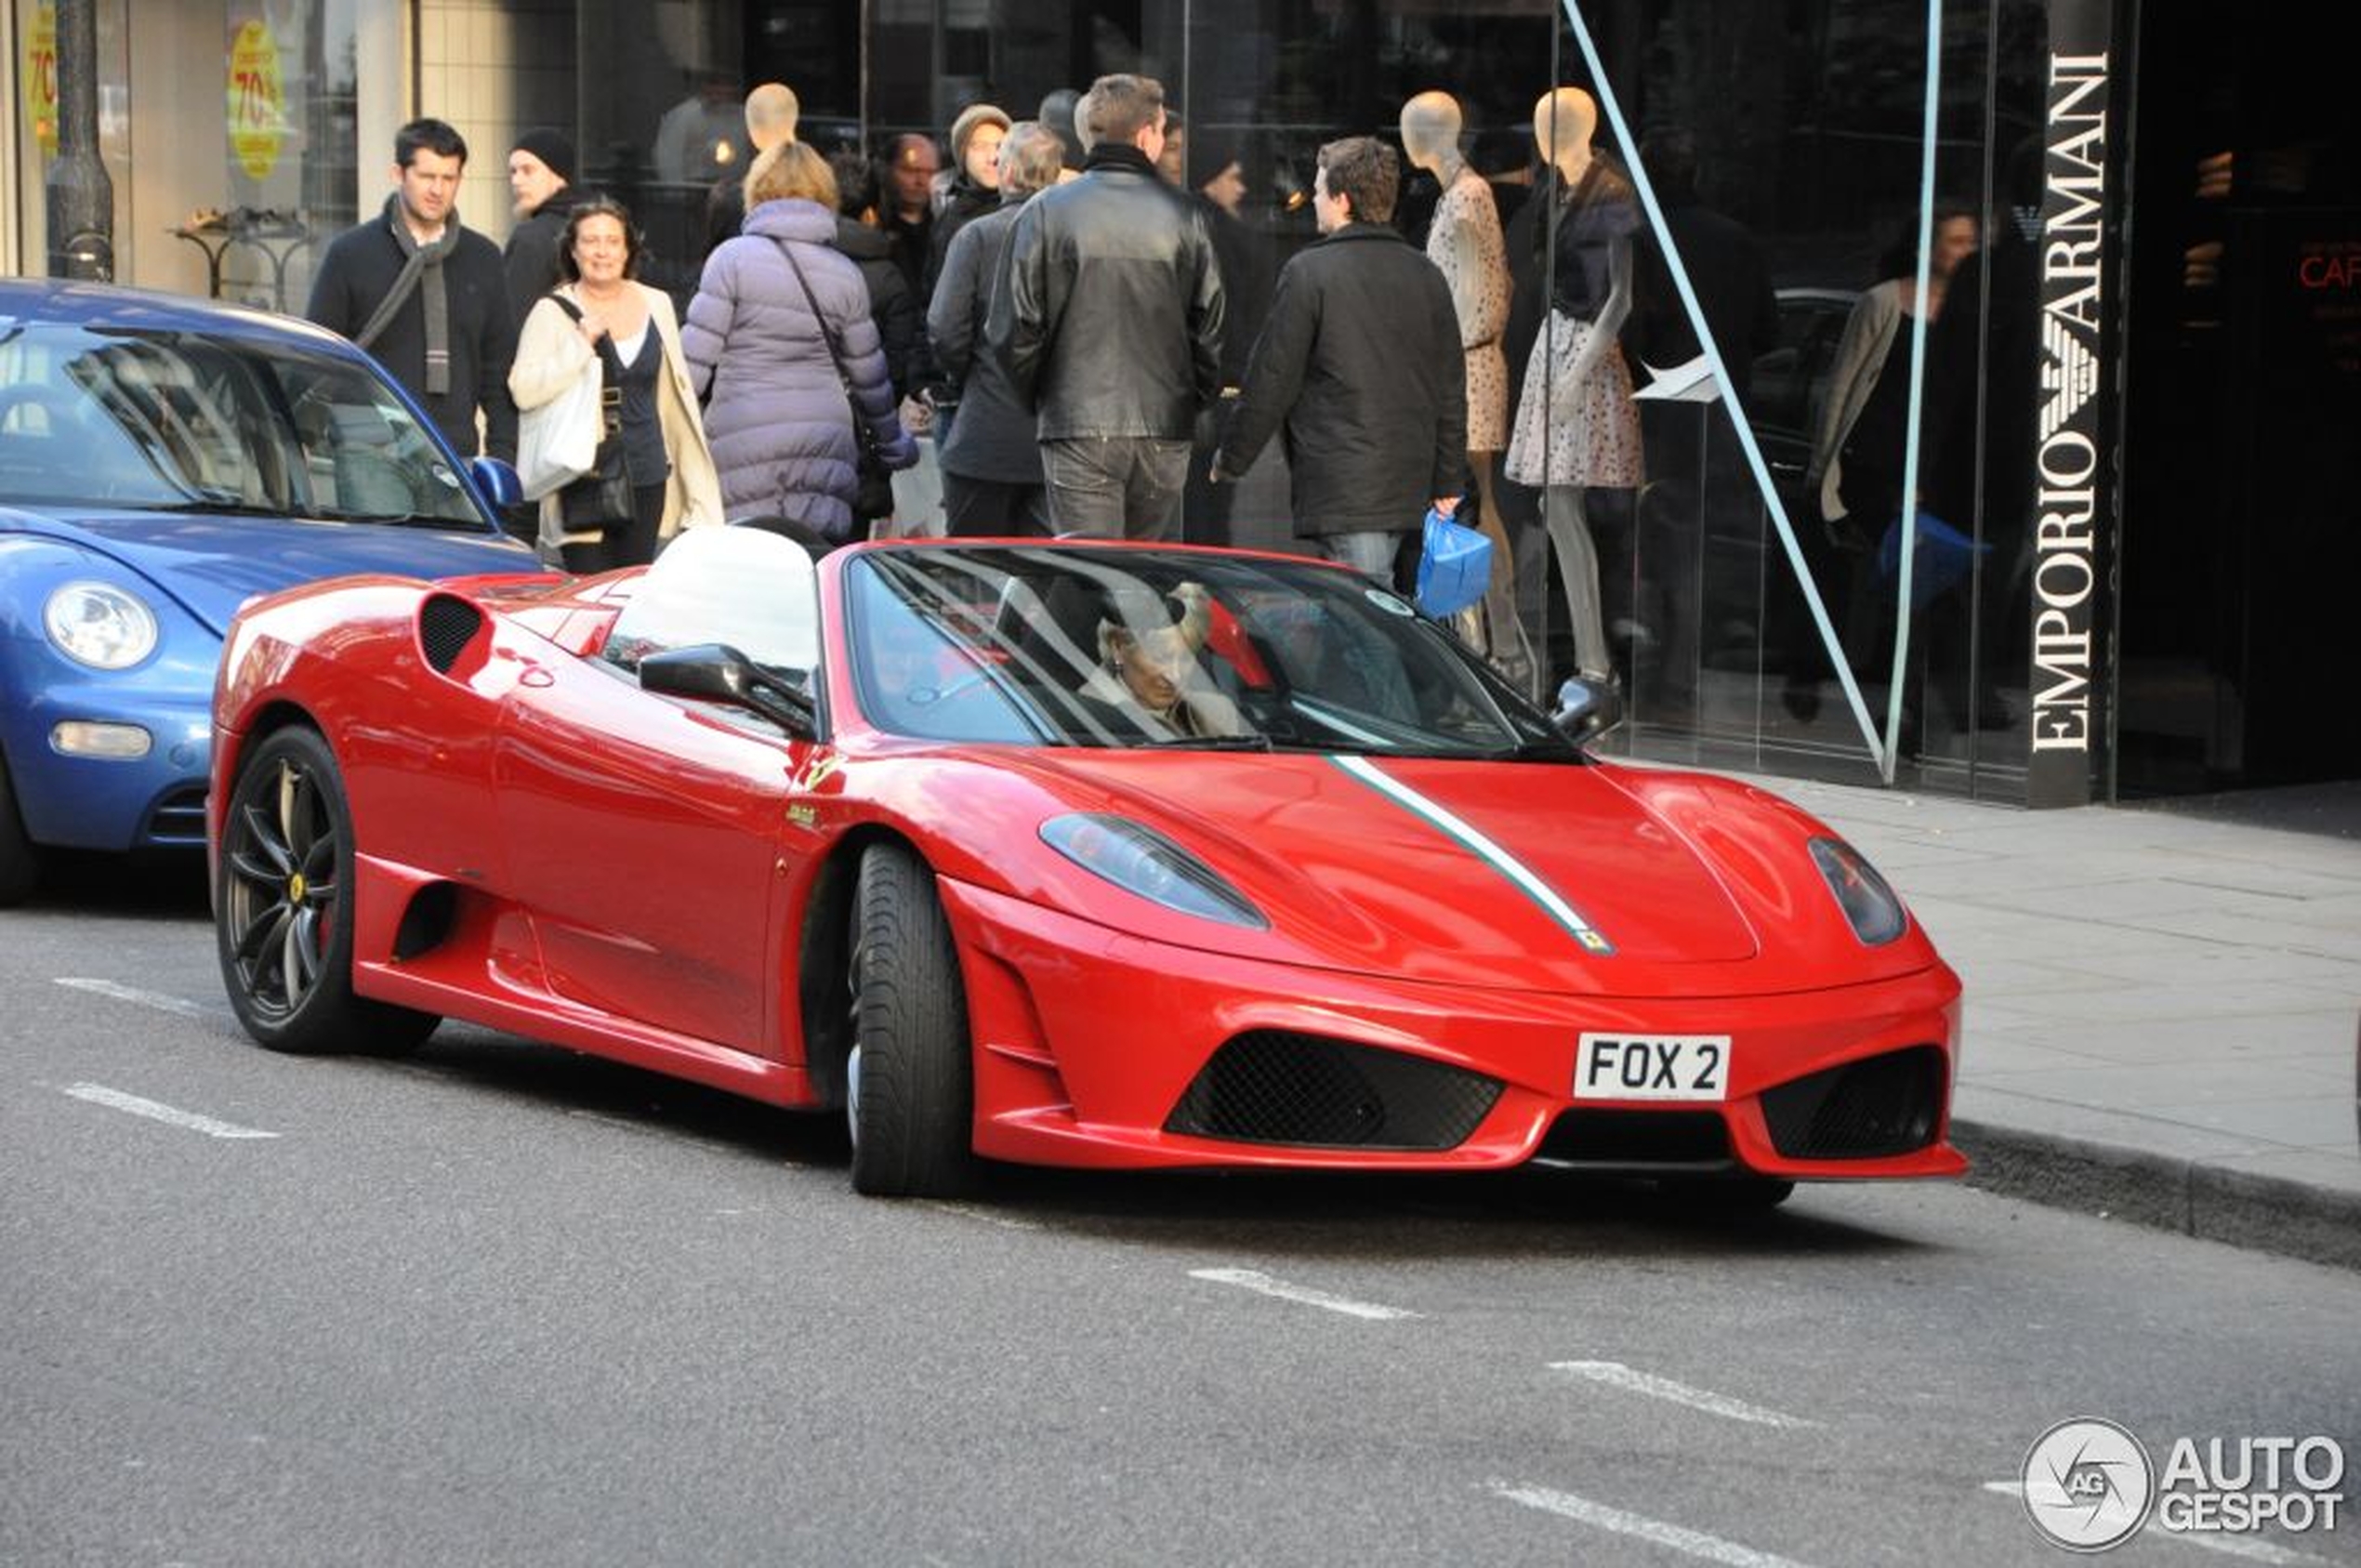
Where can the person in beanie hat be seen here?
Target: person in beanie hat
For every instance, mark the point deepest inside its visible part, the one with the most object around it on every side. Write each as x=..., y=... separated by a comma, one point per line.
x=974, y=186
x=541, y=171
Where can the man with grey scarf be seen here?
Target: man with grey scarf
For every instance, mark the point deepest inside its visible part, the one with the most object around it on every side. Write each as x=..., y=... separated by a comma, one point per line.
x=428, y=296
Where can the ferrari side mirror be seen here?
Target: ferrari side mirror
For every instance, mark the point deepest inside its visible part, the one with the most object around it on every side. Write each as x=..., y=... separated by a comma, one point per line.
x=1587, y=709
x=719, y=672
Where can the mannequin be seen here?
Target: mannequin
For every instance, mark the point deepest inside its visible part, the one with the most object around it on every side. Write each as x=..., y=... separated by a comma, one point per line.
x=1576, y=428
x=1464, y=243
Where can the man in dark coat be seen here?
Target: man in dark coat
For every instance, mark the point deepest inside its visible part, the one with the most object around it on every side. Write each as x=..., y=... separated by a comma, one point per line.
x=428, y=296
x=1361, y=359
x=541, y=170
x=900, y=329
x=906, y=205
x=1110, y=327
x=991, y=460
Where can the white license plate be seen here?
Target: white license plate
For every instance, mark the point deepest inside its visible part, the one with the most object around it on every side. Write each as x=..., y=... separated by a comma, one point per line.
x=1652, y=1067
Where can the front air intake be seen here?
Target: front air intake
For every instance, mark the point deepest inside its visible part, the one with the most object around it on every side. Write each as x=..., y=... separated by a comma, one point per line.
x=1309, y=1091
x=1866, y=1110
x=446, y=627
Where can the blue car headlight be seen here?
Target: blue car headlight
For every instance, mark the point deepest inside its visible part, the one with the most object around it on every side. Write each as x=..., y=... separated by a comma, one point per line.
x=99, y=624
x=1139, y=860
x=1877, y=915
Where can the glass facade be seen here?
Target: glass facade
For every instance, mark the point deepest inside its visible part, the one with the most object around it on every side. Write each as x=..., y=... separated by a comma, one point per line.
x=1784, y=159
x=1782, y=146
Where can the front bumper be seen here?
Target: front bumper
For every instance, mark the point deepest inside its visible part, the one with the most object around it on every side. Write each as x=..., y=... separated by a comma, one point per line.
x=1089, y=1042
x=84, y=802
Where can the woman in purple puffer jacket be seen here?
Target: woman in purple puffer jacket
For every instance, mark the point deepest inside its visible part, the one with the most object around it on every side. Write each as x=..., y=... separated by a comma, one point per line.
x=776, y=414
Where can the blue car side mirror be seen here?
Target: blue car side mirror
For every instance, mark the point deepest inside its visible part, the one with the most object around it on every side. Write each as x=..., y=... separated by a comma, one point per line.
x=497, y=482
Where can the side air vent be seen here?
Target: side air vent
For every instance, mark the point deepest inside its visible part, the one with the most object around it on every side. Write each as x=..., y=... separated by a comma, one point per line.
x=446, y=627
x=1272, y=1087
x=1866, y=1110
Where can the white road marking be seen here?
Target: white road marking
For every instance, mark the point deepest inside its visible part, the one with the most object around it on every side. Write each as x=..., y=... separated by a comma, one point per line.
x=1617, y=1375
x=984, y=1216
x=1255, y=1280
x=2244, y=1547
x=98, y=1094
x=1679, y=1538
x=155, y=999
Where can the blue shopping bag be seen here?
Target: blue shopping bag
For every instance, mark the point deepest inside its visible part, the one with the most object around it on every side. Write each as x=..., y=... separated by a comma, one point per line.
x=1455, y=566
x=1938, y=564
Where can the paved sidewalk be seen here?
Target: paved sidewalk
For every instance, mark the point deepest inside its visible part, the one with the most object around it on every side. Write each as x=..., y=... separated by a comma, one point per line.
x=2162, y=1003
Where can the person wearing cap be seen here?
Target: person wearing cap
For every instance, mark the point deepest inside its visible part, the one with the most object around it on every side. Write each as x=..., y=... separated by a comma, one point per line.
x=541, y=172
x=974, y=190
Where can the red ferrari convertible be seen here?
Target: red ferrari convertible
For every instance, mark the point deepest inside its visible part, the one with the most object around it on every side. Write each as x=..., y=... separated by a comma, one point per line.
x=1083, y=853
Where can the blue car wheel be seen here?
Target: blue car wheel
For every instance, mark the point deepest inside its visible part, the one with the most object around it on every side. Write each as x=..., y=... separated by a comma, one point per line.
x=20, y=867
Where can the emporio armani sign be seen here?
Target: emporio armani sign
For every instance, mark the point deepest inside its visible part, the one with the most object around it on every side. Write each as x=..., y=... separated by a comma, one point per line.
x=2068, y=457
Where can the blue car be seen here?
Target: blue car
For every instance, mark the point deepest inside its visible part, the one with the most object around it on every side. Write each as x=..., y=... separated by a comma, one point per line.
x=163, y=460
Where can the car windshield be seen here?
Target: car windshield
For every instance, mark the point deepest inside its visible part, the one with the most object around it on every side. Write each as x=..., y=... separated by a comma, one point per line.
x=190, y=421
x=1083, y=646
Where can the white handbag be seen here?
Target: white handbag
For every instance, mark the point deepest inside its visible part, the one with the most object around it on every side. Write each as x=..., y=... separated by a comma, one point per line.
x=558, y=442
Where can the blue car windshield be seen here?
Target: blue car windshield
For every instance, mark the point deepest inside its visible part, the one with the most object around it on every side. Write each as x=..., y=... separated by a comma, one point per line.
x=1075, y=645
x=175, y=420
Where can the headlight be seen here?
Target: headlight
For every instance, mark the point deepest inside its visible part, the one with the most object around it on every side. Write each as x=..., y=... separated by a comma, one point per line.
x=99, y=624
x=1876, y=914
x=1139, y=860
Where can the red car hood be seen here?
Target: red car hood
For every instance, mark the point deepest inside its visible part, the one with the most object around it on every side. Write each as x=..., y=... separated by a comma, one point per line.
x=1509, y=873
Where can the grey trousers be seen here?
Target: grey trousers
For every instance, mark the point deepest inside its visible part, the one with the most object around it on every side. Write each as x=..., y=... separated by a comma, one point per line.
x=1116, y=487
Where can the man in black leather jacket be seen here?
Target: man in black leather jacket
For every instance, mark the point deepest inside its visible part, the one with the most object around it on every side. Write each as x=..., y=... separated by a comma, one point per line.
x=1108, y=322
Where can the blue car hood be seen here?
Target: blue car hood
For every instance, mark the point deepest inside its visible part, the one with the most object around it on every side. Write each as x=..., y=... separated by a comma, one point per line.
x=214, y=564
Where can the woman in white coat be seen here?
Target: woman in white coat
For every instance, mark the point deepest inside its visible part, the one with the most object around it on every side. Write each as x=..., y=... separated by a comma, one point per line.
x=657, y=433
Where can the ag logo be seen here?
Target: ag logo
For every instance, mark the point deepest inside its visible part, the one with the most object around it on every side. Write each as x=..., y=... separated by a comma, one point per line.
x=2087, y=1485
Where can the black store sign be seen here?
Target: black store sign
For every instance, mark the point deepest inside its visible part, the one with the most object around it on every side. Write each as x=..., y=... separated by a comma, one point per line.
x=2074, y=458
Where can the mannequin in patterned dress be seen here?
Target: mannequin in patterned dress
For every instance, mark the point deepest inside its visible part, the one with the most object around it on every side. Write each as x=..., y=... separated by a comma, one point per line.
x=1464, y=243
x=1576, y=428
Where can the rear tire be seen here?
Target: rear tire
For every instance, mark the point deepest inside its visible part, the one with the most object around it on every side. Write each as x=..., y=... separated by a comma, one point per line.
x=910, y=1082
x=20, y=862
x=282, y=908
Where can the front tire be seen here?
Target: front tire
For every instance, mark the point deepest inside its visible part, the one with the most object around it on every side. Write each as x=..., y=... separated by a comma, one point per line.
x=20, y=864
x=284, y=908
x=910, y=1082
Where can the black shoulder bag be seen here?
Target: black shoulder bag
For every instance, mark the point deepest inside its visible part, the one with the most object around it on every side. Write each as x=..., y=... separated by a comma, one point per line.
x=876, y=497
x=601, y=498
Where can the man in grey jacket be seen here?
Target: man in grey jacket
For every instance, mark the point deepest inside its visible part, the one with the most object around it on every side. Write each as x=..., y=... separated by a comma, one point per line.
x=1110, y=326
x=991, y=459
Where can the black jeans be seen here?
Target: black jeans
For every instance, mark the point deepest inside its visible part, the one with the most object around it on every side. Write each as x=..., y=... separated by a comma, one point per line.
x=629, y=544
x=976, y=509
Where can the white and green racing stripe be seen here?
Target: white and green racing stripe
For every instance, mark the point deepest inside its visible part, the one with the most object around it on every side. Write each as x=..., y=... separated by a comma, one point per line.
x=1459, y=831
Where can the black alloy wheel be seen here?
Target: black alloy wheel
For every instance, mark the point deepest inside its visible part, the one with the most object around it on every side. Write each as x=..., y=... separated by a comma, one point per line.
x=283, y=909
x=910, y=1080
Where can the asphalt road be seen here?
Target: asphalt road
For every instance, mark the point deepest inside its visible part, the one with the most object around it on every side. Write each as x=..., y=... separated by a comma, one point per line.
x=499, y=1304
